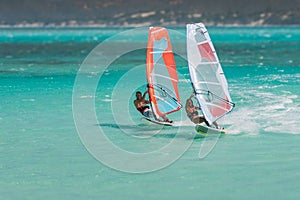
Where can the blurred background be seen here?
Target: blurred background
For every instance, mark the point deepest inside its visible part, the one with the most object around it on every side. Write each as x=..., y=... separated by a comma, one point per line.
x=144, y=13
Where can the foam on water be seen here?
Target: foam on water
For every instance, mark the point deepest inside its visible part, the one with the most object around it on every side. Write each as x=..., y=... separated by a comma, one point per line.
x=267, y=109
x=242, y=121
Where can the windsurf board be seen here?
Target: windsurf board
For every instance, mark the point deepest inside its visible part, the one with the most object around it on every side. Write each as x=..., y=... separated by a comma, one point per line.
x=149, y=121
x=203, y=129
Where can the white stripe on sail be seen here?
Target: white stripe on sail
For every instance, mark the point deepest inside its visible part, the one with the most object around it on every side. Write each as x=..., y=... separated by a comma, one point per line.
x=166, y=77
x=205, y=63
x=205, y=41
x=158, y=30
x=152, y=52
x=206, y=82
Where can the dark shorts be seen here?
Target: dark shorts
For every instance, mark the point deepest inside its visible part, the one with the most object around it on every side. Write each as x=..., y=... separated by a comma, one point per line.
x=148, y=113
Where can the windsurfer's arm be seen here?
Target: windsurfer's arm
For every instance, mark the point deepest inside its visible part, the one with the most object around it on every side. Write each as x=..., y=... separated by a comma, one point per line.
x=144, y=95
x=192, y=96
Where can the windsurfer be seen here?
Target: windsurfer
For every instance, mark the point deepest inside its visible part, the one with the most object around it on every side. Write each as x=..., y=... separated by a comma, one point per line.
x=193, y=114
x=140, y=104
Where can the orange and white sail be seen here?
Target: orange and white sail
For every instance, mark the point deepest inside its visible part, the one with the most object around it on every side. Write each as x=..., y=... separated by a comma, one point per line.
x=161, y=73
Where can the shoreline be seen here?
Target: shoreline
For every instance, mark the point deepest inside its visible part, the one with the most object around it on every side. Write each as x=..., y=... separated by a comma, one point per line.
x=54, y=26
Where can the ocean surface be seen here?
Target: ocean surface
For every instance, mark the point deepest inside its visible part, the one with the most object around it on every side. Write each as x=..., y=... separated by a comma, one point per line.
x=68, y=128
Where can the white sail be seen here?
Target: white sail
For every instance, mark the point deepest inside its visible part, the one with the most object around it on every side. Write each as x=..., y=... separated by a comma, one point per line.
x=206, y=74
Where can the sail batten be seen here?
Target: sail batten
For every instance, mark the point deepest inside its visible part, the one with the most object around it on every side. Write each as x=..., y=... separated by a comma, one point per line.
x=203, y=42
x=207, y=62
x=206, y=74
x=206, y=82
x=166, y=77
x=161, y=52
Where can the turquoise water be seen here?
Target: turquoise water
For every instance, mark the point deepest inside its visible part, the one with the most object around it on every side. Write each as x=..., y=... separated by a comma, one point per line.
x=43, y=157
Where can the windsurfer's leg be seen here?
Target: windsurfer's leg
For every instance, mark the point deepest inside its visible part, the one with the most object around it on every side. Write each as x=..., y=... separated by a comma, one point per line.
x=216, y=125
x=166, y=119
x=197, y=120
x=204, y=120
